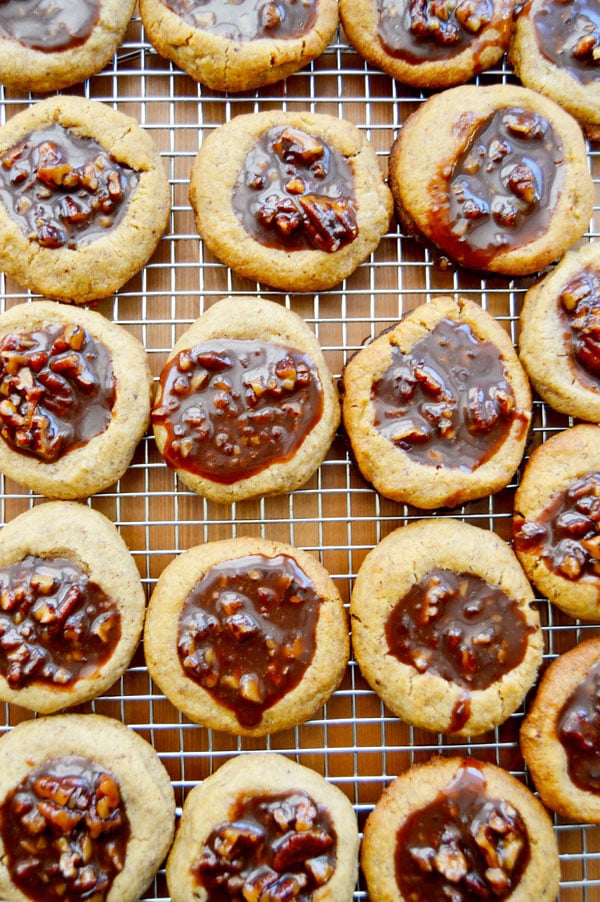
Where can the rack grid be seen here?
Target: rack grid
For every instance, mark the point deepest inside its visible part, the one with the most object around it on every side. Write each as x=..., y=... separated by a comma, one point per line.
x=354, y=741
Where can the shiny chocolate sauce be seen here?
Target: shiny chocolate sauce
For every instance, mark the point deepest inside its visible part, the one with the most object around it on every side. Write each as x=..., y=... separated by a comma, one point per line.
x=248, y=20
x=232, y=408
x=277, y=847
x=422, y=30
x=463, y=846
x=63, y=190
x=294, y=192
x=247, y=633
x=568, y=35
x=65, y=831
x=500, y=193
x=566, y=535
x=49, y=25
x=56, y=625
x=578, y=728
x=579, y=311
x=447, y=402
x=57, y=390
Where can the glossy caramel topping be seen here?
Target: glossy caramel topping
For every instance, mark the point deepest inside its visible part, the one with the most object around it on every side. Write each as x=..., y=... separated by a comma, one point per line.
x=499, y=194
x=57, y=390
x=65, y=831
x=448, y=401
x=56, y=625
x=580, y=315
x=458, y=627
x=232, y=408
x=48, y=25
x=568, y=34
x=247, y=632
x=464, y=846
x=63, y=190
x=566, y=536
x=418, y=30
x=247, y=20
x=294, y=192
x=276, y=847
x=578, y=728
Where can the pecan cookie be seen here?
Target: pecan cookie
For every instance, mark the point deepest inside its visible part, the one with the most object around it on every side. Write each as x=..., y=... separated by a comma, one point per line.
x=555, y=49
x=556, y=531
x=437, y=409
x=86, y=810
x=246, y=405
x=84, y=198
x=429, y=44
x=76, y=392
x=495, y=177
x=294, y=200
x=246, y=635
x=71, y=606
x=457, y=828
x=443, y=629
x=276, y=824
x=243, y=45
x=559, y=342
x=47, y=45
x=560, y=737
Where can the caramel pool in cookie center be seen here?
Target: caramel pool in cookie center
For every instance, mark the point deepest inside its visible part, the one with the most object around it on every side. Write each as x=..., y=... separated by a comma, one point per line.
x=49, y=25
x=63, y=190
x=247, y=632
x=579, y=313
x=567, y=33
x=65, y=831
x=578, y=728
x=418, y=30
x=247, y=20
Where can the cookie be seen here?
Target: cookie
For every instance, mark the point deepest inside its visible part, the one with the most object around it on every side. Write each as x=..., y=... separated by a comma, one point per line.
x=556, y=531
x=559, y=341
x=84, y=198
x=76, y=392
x=246, y=406
x=241, y=46
x=429, y=45
x=262, y=823
x=294, y=200
x=86, y=810
x=71, y=606
x=457, y=828
x=555, y=50
x=246, y=636
x=495, y=178
x=52, y=44
x=437, y=409
x=442, y=626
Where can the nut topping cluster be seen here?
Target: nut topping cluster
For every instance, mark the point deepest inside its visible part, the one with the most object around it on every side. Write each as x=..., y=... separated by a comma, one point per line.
x=580, y=299
x=55, y=624
x=276, y=848
x=246, y=20
x=578, y=728
x=57, y=390
x=567, y=34
x=297, y=193
x=65, y=832
x=442, y=20
x=64, y=191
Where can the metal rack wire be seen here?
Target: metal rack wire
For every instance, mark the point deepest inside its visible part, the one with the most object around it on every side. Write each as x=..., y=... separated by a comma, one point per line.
x=354, y=741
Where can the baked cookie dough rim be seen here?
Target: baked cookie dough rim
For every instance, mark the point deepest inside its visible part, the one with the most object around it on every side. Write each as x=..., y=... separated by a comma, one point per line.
x=440, y=113
x=143, y=781
x=253, y=318
x=209, y=804
x=391, y=470
x=213, y=178
x=98, y=269
x=26, y=69
x=91, y=541
x=100, y=462
x=320, y=679
x=223, y=64
x=387, y=573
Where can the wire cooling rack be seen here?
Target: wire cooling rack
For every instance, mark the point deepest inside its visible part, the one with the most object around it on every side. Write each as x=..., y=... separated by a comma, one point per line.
x=354, y=741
